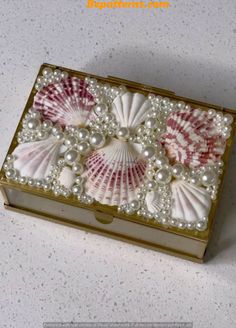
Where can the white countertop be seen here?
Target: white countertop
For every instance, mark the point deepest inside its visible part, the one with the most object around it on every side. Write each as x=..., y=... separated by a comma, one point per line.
x=53, y=273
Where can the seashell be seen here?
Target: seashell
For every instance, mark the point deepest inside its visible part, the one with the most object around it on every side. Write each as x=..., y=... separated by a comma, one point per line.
x=34, y=159
x=189, y=202
x=191, y=138
x=68, y=102
x=114, y=172
x=130, y=109
x=153, y=201
x=66, y=177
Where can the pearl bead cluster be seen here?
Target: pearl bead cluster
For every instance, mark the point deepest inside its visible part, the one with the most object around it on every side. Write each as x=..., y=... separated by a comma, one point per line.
x=50, y=76
x=222, y=122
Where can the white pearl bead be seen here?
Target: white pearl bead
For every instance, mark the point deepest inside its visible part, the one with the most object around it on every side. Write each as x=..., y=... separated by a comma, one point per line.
x=151, y=185
x=83, y=134
x=47, y=71
x=180, y=105
x=100, y=109
x=46, y=124
x=64, y=75
x=57, y=72
x=201, y=225
x=10, y=158
x=123, y=133
x=77, y=168
x=208, y=178
x=70, y=141
x=177, y=170
x=97, y=140
x=148, y=152
x=59, y=136
x=33, y=123
x=211, y=113
x=134, y=205
x=10, y=173
x=228, y=119
x=163, y=176
x=77, y=190
x=79, y=179
x=161, y=161
x=83, y=147
x=71, y=156
x=150, y=123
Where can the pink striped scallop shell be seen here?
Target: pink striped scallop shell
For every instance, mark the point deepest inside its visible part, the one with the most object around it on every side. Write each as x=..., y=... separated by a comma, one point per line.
x=114, y=172
x=191, y=138
x=67, y=102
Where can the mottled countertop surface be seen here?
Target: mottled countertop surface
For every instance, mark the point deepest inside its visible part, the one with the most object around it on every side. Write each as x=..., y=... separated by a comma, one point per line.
x=54, y=273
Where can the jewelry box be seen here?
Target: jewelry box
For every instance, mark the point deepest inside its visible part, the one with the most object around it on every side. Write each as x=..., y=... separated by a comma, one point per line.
x=119, y=158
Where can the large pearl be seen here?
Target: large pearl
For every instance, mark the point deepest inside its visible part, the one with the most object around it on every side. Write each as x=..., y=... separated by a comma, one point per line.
x=77, y=168
x=177, y=170
x=161, y=161
x=97, y=140
x=163, y=176
x=83, y=134
x=100, y=109
x=83, y=147
x=33, y=123
x=150, y=123
x=70, y=141
x=208, y=178
x=71, y=156
x=123, y=133
x=47, y=71
x=148, y=152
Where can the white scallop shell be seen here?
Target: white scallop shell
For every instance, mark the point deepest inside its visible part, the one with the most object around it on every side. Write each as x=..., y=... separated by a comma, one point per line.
x=130, y=109
x=66, y=177
x=189, y=202
x=34, y=159
x=114, y=172
x=153, y=201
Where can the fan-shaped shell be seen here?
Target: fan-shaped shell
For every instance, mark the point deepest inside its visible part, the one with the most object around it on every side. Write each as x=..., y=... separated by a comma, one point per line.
x=192, y=139
x=153, y=201
x=68, y=102
x=114, y=172
x=130, y=109
x=34, y=159
x=189, y=202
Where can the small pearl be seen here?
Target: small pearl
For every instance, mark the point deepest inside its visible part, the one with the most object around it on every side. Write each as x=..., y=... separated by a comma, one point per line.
x=79, y=180
x=59, y=136
x=190, y=225
x=64, y=75
x=71, y=156
x=10, y=158
x=134, y=205
x=36, y=115
x=100, y=109
x=46, y=124
x=123, y=133
x=97, y=140
x=208, y=178
x=38, y=86
x=151, y=185
x=150, y=123
x=83, y=147
x=23, y=180
x=201, y=225
x=57, y=72
x=47, y=71
x=33, y=123
x=77, y=190
x=180, y=105
x=10, y=173
x=211, y=113
x=177, y=170
x=42, y=134
x=77, y=168
x=83, y=134
x=163, y=176
x=148, y=152
x=56, y=128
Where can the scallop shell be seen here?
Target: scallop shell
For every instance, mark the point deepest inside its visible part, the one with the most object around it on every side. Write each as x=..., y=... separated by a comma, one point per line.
x=67, y=102
x=114, y=172
x=34, y=159
x=153, y=201
x=192, y=139
x=130, y=109
x=189, y=202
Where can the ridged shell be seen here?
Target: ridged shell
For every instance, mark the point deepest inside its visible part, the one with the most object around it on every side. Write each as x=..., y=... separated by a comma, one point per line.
x=189, y=202
x=130, y=109
x=153, y=201
x=192, y=139
x=114, y=172
x=67, y=102
x=34, y=159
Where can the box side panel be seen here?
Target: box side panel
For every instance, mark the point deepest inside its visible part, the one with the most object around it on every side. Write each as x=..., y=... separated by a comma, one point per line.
x=130, y=231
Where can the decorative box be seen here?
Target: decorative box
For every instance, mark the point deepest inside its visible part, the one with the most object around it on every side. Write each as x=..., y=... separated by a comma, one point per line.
x=119, y=158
